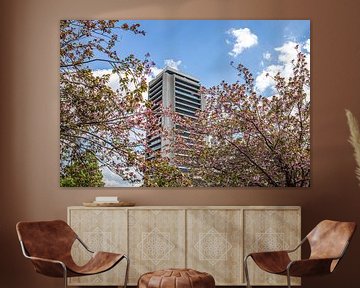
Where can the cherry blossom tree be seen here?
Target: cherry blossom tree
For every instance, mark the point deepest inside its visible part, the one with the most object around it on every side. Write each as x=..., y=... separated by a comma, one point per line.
x=240, y=138
x=244, y=139
x=94, y=118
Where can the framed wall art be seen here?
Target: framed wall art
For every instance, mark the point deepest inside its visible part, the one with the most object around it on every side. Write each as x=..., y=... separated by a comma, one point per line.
x=185, y=103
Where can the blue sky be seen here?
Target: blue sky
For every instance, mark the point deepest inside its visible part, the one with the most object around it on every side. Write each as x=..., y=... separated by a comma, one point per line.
x=203, y=46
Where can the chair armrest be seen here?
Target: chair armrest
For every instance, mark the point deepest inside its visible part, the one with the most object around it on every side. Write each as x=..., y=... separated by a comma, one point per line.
x=45, y=260
x=256, y=255
x=269, y=252
x=281, y=251
x=298, y=246
x=84, y=245
x=48, y=267
x=309, y=267
x=271, y=261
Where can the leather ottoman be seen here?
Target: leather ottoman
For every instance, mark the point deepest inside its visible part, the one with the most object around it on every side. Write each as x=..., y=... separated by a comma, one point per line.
x=176, y=278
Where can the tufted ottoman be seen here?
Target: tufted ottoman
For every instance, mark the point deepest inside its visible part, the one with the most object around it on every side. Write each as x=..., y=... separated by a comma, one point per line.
x=176, y=278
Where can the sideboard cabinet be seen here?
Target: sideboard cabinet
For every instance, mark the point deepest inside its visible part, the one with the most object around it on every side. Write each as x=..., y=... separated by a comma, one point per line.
x=212, y=239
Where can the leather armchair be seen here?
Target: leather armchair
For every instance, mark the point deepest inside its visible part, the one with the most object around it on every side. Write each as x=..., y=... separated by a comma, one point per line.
x=48, y=245
x=328, y=242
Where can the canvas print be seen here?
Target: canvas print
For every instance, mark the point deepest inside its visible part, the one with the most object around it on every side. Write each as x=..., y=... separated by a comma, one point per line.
x=185, y=103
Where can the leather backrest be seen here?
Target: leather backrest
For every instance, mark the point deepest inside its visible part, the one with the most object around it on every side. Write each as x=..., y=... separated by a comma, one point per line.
x=46, y=239
x=329, y=239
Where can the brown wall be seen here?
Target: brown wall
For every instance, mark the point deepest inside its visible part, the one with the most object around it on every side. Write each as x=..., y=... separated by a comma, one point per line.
x=29, y=112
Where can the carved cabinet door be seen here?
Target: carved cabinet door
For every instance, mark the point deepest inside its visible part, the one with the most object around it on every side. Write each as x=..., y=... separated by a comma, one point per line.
x=214, y=244
x=101, y=230
x=270, y=230
x=156, y=240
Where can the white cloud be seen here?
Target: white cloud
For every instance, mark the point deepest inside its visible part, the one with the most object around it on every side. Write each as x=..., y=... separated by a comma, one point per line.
x=114, y=78
x=286, y=53
x=263, y=80
x=154, y=71
x=267, y=55
x=172, y=63
x=113, y=180
x=306, y=46
x=244, y=39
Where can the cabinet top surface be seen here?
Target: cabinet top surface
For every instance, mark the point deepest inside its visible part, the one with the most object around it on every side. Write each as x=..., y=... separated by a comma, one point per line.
x=192, y=207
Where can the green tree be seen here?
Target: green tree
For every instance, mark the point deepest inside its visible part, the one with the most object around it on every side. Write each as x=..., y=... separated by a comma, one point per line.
x=84, y=171
x=160, y=173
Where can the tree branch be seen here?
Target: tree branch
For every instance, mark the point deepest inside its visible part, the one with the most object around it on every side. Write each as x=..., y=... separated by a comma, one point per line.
x=253, y=162
x=90, y=61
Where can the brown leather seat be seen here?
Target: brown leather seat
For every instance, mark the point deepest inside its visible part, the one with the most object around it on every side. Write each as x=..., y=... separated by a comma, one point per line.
x=176, y=278
x=328, y=242
x=48, y=245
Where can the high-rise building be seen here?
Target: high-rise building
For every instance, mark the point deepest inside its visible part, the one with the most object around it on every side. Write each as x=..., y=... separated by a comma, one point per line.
x=179, y=93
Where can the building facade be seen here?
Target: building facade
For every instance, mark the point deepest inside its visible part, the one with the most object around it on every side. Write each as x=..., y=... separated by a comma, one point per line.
x=176, y=92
